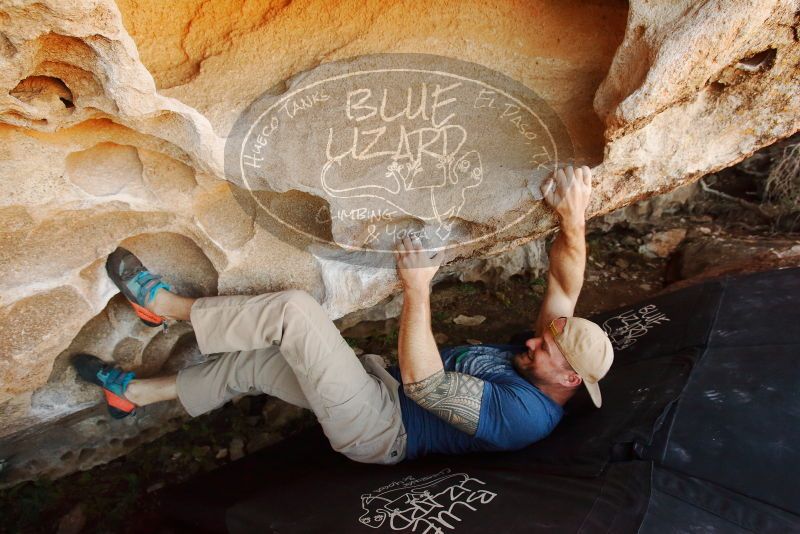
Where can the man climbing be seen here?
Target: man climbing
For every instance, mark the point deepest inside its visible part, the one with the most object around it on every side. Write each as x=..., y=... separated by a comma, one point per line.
x=475, y=398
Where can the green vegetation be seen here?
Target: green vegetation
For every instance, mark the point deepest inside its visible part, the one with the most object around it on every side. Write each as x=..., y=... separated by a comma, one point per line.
x=467, y=288
x=503, y=298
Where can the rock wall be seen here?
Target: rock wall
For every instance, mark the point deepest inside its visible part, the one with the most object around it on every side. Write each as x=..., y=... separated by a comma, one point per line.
x=113, y=119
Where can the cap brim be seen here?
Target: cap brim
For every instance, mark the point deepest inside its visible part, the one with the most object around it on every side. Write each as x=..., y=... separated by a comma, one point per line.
x=594, y=392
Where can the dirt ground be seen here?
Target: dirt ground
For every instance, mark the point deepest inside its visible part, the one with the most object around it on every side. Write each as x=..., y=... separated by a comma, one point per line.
x=122, y=496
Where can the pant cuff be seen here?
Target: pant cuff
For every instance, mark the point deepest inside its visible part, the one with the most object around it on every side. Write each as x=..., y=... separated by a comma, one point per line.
x=192, y=398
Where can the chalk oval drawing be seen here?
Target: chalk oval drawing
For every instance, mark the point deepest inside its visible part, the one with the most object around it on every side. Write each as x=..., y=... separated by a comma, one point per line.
x=380, y=147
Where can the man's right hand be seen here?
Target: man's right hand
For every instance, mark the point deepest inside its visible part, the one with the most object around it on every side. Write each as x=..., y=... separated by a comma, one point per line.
x=568, y=192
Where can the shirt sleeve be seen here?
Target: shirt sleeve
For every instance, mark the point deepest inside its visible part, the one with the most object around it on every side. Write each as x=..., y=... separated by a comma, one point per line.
x=513, y=415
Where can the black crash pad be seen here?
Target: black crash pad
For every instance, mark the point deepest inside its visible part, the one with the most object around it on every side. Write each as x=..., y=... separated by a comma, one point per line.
x=698, y=431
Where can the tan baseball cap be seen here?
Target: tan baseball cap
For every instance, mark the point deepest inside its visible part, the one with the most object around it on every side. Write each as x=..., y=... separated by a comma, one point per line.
x=587, y=349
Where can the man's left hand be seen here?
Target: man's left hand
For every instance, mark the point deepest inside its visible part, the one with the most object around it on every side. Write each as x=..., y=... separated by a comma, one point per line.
x=415, y=265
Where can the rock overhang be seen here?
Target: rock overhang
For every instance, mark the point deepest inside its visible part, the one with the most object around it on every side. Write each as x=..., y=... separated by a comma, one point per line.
x=151, y=91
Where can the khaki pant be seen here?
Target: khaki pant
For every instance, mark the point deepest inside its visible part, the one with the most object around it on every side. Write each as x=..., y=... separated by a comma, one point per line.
x=283, y=344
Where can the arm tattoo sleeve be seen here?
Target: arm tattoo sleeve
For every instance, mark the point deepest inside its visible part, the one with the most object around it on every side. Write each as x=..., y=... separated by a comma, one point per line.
x=454, y=397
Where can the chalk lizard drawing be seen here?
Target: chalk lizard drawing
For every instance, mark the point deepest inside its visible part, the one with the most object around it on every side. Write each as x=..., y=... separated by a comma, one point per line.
x=446, y=176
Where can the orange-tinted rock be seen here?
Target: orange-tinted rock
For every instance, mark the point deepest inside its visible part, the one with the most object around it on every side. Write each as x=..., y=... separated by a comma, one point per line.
x=113, y=119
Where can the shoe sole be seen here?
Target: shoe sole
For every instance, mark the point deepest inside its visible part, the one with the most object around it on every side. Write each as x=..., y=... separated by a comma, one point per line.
x=86, y=367
x=115, y=259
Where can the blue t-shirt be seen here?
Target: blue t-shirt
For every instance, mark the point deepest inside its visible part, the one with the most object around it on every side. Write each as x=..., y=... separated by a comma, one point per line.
x=514, y=413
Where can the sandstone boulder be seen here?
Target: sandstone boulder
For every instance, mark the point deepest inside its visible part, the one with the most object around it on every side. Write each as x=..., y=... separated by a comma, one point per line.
x=114, y=118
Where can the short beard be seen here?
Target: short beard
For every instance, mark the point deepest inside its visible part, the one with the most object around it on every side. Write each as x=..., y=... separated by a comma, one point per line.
x=525, y=373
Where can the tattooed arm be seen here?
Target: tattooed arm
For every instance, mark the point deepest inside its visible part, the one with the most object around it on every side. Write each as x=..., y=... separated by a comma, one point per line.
x=454, y=397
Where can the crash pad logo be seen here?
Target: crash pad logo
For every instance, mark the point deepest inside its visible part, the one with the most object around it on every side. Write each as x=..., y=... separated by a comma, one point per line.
x=386, y=146
x=627, y=327
x=432, y=505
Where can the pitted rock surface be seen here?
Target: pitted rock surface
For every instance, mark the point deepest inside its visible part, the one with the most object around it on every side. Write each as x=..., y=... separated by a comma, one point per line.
x=114, y=116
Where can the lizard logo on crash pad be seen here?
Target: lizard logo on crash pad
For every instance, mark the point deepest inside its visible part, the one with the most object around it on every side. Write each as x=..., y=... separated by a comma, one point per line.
x=626, y=328
x=434, y=503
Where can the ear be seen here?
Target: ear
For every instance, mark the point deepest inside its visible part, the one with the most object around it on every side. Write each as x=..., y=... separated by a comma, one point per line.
x=571, y=380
